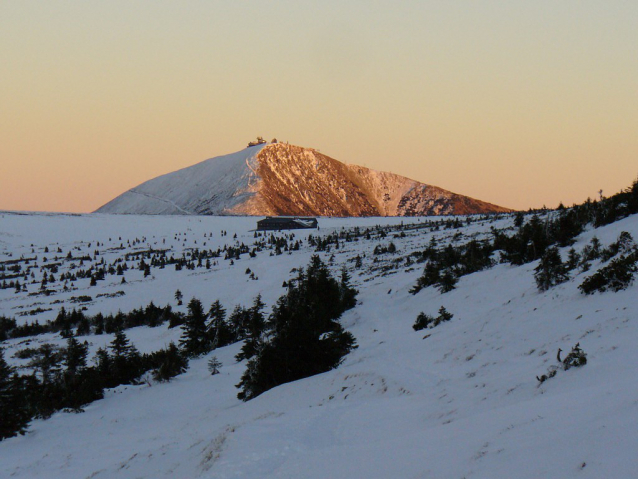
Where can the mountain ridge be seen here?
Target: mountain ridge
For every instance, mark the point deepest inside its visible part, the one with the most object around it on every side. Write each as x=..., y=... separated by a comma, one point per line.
x=283, y=179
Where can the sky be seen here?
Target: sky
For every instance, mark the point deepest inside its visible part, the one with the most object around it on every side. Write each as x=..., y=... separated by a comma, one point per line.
x=518, y=103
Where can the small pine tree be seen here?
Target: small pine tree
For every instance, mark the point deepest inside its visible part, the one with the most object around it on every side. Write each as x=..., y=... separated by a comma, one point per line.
x=447, y=281
x=444, y=315
x=213, y=365
x=194, y=341
x=179, y=297
x=551, y=270
x=218, y=331
x=423, y=321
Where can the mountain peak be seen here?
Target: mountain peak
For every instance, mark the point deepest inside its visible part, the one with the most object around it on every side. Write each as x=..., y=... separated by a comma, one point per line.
x=283, y=179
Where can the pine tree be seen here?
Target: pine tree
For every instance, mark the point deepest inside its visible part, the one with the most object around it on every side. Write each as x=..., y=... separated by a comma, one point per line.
x=47, y=362
x=14, y=416
x=255, y=326
x=194, y=341
x=239, y=323
x=348, y=294
x=178, y=297
x=168, y=363
x=423, y=321
x=305, y=336
x=444, y=314
x=447, y=281
x=125, y=361
x=213, y=365
x=75, y=356
x=218, y=332
x=551, y=270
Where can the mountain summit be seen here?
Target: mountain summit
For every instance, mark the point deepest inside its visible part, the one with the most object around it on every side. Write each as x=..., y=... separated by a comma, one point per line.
x=282, y=179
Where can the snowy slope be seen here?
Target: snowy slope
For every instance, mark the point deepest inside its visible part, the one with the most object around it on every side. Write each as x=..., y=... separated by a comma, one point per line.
x=281, y=179
x=214, y=186
x=463, y=402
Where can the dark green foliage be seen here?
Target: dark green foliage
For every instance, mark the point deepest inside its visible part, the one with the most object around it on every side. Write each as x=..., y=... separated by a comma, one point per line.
x=65, y=321
x=529, y=242
x=219, y=332
x=623, y=245
x=616, y=276
x=573, y=259
x=305, y=336
x=255, y=325
x=592, y=251
x=391, y=248
x=7, y=325
x=125, y=364
x=47, y=361
x=550, y=270
x=195, y=340
x=424, y=321
x=445, y=266
x=238, y=322
x=348, y=294
x=447, y=281
x=617, y=207
x=14, y=416
x=75, y=356
x=53, y=388
x=166, y=363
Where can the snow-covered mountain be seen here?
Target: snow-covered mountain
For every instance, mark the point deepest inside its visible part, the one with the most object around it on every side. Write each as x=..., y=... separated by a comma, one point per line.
x=282, y=179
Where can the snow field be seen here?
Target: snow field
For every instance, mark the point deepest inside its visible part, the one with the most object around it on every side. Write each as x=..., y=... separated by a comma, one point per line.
x=463, y=402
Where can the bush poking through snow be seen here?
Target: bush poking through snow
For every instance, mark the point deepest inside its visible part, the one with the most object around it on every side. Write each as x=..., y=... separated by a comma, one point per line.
x=424, y=321
x=550, y=374
x=616, y=276
x=575, y=358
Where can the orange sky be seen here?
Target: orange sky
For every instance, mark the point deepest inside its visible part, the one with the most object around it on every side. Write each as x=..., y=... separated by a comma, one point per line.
x=517, y=103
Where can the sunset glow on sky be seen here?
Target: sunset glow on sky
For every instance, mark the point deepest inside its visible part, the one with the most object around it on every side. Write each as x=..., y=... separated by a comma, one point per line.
x=518, y=103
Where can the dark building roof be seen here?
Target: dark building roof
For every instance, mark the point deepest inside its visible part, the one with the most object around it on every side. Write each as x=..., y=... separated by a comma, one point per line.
x=286, y=223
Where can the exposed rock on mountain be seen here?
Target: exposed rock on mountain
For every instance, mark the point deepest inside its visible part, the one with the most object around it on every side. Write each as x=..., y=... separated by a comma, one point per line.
x=281, y=179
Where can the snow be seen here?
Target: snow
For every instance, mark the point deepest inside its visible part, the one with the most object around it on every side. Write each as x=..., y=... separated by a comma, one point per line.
x=290, y=180
x=214, y=186
x=463, y=402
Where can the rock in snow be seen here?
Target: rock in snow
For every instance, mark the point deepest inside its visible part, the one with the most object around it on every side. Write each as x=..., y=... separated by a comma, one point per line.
x=282, y=179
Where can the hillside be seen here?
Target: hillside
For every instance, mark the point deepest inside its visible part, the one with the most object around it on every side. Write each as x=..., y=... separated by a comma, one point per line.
x=458, y=400
x=281, y=179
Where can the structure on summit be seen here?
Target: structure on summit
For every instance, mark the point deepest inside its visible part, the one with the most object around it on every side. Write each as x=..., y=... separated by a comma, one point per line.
x=259, y=141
